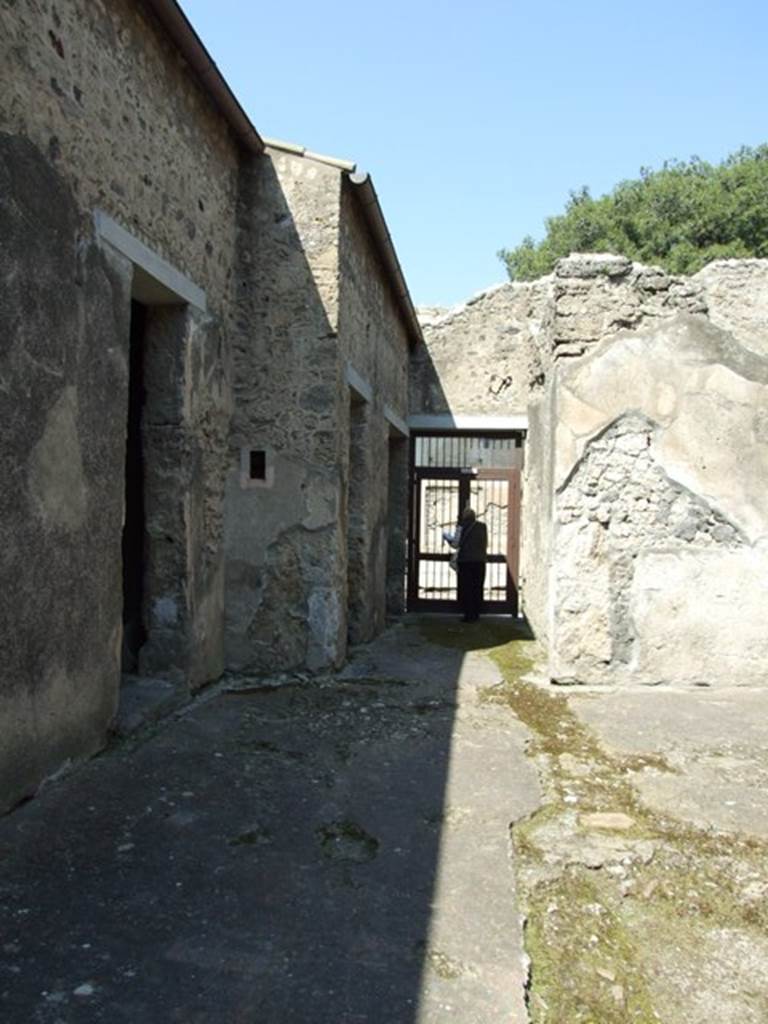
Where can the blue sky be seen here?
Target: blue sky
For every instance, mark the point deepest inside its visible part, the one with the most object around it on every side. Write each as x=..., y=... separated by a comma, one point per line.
x=476, y=120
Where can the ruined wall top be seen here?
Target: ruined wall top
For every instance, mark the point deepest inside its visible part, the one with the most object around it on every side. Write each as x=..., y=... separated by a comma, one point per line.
x=736, y=293
x=598, y=294
x=494, y=353
x=486, y=356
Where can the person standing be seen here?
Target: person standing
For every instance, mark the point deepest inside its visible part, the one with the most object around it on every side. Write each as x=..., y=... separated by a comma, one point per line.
x=472, y=554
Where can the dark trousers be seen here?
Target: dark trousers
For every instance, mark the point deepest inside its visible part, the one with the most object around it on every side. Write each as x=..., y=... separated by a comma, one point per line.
x=470, y=583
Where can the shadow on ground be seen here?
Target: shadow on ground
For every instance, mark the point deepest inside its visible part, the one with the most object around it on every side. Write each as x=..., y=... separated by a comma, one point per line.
x=271, y=855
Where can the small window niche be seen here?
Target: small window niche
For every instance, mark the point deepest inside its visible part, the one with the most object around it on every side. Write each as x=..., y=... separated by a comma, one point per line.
x=256, y=468
x=257, y=464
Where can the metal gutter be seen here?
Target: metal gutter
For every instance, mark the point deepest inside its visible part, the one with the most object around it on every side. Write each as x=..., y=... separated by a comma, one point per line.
x=291, y=147
x=366, y=197
x=189, y=44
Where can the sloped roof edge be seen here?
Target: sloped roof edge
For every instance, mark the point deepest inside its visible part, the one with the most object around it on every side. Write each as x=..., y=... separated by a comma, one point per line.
x=322, y=158
x=366, y=196
x=180, y=30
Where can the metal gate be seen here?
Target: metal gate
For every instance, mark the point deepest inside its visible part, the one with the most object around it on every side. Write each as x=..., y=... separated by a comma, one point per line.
x=483, y=472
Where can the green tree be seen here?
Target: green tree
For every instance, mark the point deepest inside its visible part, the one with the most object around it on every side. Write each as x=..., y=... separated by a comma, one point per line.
x=681, y=217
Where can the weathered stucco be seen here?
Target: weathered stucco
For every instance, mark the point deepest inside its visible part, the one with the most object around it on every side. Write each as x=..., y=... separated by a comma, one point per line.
x=644, y=530
x=64, y=339
x=658, y=552
x=116, y=166
x=308, y=547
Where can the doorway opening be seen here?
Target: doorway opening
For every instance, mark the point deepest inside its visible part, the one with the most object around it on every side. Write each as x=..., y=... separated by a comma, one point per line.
x=134, y=525
x=397, y=522
x=449, y=472
x=357, y=486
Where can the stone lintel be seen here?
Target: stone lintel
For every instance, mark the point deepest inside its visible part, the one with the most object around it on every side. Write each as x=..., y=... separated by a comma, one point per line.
x=459, y=421
x=359, y=386
x=155, y=281
x=396, y=422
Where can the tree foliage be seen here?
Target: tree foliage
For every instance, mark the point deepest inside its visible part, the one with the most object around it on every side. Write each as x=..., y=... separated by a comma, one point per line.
x=680, y=217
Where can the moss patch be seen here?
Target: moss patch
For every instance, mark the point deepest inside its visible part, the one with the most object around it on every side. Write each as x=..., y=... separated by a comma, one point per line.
x=583, y=963
x=596, y=935
x=485, y=635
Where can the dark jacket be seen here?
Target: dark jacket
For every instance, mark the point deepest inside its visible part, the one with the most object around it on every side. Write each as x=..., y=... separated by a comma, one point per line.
x=473, y=545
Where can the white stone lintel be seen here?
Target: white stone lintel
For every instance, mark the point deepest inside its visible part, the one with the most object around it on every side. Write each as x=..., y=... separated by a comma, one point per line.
x=358, y=385
x=459, y=421
x=396, y=422
x=155, y=281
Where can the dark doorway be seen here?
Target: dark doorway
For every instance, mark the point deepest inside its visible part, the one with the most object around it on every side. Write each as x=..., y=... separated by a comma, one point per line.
x=397, y=522
x=357, y=553
x=134, y=526
x=448, y=473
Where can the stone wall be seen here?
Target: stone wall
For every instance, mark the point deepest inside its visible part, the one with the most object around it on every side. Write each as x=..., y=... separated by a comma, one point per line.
x=310, y=541
x=103, y=93
x=658, y=550
x=596, y=295
x=99, y=113
x=182, y=318
x=374, y=343
x=493, y=357
x=486, y=357
x=645, y=519
x=284, y=534
x=736, y=294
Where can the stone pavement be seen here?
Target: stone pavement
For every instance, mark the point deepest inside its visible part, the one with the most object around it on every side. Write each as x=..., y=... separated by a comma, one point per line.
x=289, y=850
x=714, y=744
x=360, y=848
x=644, y=876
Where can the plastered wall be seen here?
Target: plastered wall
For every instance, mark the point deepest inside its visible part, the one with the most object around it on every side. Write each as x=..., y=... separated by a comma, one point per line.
x=659, y=520
x=644, y=513
x=99, y=113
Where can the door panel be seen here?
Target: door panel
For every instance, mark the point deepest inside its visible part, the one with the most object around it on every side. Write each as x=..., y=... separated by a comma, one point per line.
x=490, y=500
x=438, y=495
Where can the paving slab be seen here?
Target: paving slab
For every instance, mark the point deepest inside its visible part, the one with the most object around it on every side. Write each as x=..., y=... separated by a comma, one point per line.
x=714, y=743
x=645, y=874
x=324, y=850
